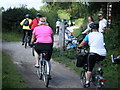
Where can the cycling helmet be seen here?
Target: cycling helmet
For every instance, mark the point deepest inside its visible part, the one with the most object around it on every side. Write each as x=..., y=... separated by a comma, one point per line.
x=94, y=25
x=39, y=15
x=27, y=15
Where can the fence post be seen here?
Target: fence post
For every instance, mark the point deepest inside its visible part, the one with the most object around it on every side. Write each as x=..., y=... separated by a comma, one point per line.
x=62, y=36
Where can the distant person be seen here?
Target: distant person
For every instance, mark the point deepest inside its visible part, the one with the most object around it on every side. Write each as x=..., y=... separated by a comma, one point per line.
x=102, y=23
x=57, y=26
x=26, y=28
x=35, y=21
x=90, y=20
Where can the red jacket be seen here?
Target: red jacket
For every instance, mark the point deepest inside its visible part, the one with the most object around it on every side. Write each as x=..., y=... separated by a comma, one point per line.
x=34, y=23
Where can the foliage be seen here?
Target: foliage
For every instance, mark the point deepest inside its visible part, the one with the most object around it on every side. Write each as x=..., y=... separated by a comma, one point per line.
x=62, y=14
x=11, y=18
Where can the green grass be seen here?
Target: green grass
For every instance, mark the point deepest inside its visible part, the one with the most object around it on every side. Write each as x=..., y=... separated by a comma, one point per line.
x=10, y=76
x=11, y=36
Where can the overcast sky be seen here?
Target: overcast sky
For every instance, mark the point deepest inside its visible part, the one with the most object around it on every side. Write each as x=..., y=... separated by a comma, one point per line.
x=17, y=3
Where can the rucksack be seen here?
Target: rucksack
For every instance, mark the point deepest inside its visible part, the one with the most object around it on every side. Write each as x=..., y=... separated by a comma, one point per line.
x=37, y=20
x=26, y=22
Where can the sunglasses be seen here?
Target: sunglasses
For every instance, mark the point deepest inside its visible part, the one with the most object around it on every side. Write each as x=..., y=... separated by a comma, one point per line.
x=100, y=16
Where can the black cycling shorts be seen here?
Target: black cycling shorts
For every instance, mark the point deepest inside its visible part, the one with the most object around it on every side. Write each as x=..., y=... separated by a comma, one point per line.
x=44, y=47
x=92, y=59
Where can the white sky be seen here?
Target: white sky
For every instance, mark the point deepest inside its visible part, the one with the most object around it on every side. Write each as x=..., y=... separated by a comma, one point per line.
x=17, y=3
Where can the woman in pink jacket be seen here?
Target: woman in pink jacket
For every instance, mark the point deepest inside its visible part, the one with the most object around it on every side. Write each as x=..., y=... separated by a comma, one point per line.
x=43, y=35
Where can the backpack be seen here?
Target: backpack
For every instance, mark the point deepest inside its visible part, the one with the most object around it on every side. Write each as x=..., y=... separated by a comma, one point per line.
x=26, y=22
x=37, y=21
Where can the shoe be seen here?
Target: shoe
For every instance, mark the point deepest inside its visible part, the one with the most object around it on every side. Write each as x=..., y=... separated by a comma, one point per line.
x=87, y=85
x=37, y=66
x=22, y=43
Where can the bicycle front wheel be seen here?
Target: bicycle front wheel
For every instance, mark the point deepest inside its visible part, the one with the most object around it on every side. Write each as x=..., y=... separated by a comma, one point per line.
x=82, y=78
x=39, y=73
x=45, y=76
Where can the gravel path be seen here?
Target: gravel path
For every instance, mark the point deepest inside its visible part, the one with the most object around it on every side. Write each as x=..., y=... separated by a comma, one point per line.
x=62, y=77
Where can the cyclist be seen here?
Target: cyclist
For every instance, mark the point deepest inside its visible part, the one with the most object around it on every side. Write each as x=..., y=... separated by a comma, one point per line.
x=57, y=26
x=44, y=40
x=90, y=20
x=102, y=23
x=95, y=40
x=35, y=21
x=25, y=23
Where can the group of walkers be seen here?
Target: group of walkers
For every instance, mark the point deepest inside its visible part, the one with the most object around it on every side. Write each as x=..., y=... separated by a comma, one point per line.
x=41, y=35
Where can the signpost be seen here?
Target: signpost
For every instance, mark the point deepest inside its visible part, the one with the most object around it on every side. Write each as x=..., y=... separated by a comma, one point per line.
x=109, y=14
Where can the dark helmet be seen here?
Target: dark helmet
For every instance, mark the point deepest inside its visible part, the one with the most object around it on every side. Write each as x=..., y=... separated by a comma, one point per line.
x=39, y=15
x=27, y=15
x=94, y=25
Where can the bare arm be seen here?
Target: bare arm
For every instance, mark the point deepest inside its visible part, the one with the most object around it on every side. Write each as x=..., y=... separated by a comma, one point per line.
x=33, y=39
x=82, y=43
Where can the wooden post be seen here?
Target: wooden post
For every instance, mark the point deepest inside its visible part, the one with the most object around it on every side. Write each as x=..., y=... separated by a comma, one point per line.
x=62, y=36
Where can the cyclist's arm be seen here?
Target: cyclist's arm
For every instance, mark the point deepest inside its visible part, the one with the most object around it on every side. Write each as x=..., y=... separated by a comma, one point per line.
x=33, y=39
x=21, y=23
x=84, y=42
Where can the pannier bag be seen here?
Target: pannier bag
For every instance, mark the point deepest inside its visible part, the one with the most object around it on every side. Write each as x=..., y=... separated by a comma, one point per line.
x=81, y=60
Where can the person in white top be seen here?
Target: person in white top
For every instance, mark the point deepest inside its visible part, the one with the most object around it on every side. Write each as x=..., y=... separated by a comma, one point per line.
x=95, y=40
x=102, y=23
x=57, y=26
x=90, y=20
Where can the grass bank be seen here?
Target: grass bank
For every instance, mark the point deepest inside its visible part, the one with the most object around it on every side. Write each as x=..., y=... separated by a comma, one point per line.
x=11, y=36
x=10, y=76
x=68, y=58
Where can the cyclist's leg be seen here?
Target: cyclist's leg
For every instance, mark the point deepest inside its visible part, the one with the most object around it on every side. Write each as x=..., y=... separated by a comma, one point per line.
x=36, y=52
x=23, y=36
x=29, y=34
x=91, y=63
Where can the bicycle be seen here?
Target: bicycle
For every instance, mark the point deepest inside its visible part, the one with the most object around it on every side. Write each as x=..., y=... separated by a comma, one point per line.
x=97, y=74
x=27, y=38
x=43, y=71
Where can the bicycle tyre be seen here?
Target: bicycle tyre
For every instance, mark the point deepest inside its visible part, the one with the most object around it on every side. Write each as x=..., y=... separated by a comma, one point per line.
x=33, y=51
x=45, y=76
x=39, y=74
x=82, y=78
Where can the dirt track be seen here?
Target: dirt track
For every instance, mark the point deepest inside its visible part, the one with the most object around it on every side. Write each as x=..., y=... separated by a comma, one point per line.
x=62, y=77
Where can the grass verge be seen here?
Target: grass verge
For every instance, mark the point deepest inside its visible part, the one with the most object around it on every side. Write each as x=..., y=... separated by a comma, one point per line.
x=11, y=36
x=68, y=58
x=10, y=76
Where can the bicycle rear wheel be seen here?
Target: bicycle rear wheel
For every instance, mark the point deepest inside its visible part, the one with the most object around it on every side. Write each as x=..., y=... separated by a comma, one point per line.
x=82, y=78
x=45, y=76
x=33, y=51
